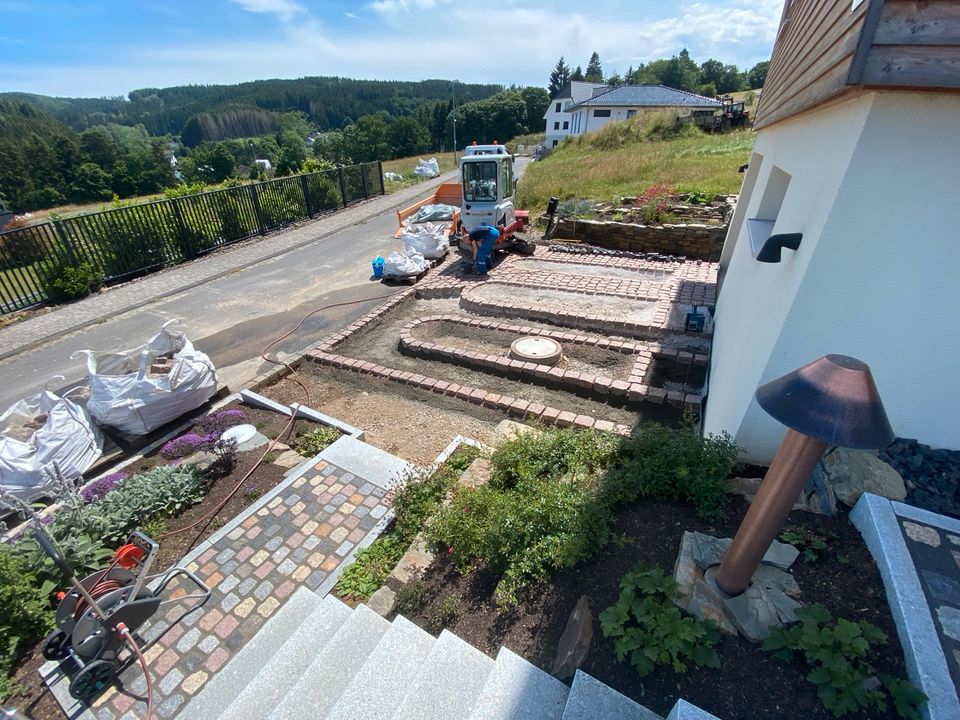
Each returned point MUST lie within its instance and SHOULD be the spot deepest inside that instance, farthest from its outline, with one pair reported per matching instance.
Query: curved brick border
(633, 390)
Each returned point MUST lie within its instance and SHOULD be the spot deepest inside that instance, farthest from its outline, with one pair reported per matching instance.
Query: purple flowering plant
(205, 437)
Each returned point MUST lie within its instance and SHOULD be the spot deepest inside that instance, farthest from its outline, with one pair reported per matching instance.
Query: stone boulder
(575, 641)
(848, 474)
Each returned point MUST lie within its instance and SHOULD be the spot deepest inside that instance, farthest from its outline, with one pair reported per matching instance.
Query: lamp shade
(833, 399)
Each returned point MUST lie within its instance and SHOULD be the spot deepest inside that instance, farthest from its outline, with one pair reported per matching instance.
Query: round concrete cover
(541, 350)
(240, 433)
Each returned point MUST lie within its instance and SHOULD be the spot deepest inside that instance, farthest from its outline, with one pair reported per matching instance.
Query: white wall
(873, 189)
(589, 123)
(552, 117)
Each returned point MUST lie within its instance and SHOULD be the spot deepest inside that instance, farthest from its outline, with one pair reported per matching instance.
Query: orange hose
(125, 633)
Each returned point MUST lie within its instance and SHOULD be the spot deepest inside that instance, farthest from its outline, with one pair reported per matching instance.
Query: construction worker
(482, 241)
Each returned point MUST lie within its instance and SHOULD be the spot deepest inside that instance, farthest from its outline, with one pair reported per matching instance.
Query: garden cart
(100, 614)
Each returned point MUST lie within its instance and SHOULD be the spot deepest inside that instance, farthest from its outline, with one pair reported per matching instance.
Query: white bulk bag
(139, 390)
(431, 213)
(427, 168)
(404, 264)
(42, 430)
(428, 239)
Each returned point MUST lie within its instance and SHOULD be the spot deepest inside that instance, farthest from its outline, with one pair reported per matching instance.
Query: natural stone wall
(699, 242)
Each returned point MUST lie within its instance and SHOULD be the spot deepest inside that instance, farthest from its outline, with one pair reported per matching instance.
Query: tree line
(710, 78)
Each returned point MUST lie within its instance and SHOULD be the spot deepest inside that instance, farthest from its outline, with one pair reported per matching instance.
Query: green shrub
(839, 654)
(564, 453)
(24, 613)
(314, 442)
(521, 532)
(410, 597)
(419, 495)
(233, 224)
(65, 281)
(324, 192)
(649, 630)
(445, 613)
(666, 464)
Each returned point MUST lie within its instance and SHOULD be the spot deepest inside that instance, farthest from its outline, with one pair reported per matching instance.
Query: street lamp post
(830, 401)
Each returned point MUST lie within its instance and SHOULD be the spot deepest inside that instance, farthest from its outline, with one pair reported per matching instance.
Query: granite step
(244, 667)
(259, 698)
(590, 699)
(366, 461)
(519, 689)
(383, 681)
(449, 682)
(323, 681)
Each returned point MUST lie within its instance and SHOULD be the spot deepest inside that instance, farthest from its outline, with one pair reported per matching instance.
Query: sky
(97, 48)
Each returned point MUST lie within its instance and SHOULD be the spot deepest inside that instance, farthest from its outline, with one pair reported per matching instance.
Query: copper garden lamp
(830, 401)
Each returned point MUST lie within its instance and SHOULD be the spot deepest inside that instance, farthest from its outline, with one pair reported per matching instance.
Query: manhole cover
(541, 350)
(240, 433)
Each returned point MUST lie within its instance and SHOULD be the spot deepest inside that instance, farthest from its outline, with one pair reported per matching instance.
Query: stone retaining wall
(699, 242)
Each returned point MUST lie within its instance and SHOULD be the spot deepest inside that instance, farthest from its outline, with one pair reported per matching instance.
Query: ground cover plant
(414, 500)
(839, 652)
(649, 630)
(313, 443)
(626, 158)
(551, 497)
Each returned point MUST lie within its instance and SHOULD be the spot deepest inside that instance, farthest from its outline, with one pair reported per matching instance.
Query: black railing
(50, 261)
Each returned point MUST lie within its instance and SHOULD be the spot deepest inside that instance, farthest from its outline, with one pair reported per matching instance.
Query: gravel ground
(932, 476)
(559, 301)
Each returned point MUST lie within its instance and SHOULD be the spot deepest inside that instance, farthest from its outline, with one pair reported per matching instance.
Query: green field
(624, 159)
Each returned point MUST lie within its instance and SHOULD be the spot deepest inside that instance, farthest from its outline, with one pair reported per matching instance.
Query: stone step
(259, 698)
(255, 655)
(519, 689)
(367, 461)
(385, 677)
(332, 670)
(590, 699)
(449, 682)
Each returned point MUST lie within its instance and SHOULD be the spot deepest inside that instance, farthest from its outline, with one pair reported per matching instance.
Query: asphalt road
(234, 317)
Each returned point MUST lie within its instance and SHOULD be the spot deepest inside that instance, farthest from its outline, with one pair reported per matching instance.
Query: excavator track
(523, 244)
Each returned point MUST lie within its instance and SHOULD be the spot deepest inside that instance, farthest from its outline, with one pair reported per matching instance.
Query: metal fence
(54, 260)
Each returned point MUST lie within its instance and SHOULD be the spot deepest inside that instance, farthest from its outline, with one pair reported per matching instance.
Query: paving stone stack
(318, 658)
(932, 476)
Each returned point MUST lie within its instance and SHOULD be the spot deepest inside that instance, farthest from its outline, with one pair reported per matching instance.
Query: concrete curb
(876, 519)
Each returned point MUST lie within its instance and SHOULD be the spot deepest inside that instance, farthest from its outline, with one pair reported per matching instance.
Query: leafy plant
(24, 613)
(654, 203)
(370, 568)
(207, 437)
(666, 464)
(445, 613)
(65, 281)
(410, 597)
(649, 630)
(314, 442)
(838, 652)
(811, 543)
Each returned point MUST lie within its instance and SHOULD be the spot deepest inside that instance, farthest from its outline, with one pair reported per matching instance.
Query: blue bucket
(378, 267)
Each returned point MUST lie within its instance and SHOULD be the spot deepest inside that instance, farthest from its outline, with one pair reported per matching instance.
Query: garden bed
(751, 683)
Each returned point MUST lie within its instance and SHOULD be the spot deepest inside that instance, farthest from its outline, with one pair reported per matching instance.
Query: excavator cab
(486, 175)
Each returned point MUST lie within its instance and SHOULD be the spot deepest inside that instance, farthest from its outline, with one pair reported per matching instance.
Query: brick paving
(936, 556)
(298, 537)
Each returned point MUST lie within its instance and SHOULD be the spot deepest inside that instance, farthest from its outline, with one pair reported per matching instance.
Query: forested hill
(328, 101)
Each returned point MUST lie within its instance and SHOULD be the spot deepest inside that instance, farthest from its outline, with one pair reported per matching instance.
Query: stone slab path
(299, 535)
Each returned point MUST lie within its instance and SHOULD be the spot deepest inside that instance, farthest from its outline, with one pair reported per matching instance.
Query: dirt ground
(751, 685)
(402, 421)
(584, 358)
(650, 276)
(378, 343)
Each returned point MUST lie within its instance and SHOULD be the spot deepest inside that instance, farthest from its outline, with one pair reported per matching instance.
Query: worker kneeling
(482, 241)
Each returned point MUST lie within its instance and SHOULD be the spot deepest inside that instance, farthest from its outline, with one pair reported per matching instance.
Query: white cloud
(527, 38)
(284, 9)
(352, 16)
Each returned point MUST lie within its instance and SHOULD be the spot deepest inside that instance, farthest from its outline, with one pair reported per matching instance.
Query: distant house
(627, 101)
(558, 117)
(264, 163)
(856, 164)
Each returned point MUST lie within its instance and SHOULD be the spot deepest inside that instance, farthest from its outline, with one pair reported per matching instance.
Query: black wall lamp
(766, 246)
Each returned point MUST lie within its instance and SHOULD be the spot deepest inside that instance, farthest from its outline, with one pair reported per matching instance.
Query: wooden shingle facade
(828, 48)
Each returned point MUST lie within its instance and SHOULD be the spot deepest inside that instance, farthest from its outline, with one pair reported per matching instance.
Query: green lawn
(18, 283)
(615, 161)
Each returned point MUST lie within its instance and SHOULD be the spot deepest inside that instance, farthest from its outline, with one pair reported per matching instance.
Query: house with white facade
(557, 117)
(845, 238)
(627, 101)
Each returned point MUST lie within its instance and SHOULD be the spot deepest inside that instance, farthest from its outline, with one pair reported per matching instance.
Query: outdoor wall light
(830, 401)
